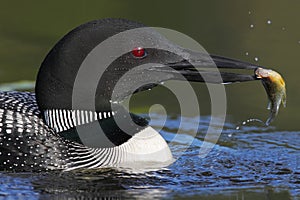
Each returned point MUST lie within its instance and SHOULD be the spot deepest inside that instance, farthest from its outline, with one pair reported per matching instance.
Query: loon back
(26, 142)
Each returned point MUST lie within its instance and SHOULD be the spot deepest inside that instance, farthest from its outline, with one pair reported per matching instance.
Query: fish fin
(269, 105)
(277, 108)
(283, 100)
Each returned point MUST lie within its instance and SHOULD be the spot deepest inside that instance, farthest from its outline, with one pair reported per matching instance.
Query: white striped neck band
(62, 120)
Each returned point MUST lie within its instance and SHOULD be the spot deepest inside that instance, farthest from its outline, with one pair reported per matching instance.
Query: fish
(275, 88)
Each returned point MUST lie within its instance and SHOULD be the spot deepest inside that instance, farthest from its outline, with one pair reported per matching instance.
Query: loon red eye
(139, 52)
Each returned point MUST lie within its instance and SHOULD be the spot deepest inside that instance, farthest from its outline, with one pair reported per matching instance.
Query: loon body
(29, 144)
(48, 131)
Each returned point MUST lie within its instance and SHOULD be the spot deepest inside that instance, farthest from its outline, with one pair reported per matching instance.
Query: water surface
(250, 163)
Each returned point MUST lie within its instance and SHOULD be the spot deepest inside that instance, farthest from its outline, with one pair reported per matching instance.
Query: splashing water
(249, 121)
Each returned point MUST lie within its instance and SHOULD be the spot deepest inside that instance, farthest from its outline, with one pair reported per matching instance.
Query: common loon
(39, 131)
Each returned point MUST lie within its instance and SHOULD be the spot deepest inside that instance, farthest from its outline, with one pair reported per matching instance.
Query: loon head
(57, 74)
(141, 58)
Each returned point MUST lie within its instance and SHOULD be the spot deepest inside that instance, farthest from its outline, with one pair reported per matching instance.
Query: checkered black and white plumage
(28, 143)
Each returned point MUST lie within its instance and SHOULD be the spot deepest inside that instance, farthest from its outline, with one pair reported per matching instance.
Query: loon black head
(161, 62)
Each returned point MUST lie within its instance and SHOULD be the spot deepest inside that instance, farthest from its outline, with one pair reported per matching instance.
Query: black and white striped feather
(62, 120)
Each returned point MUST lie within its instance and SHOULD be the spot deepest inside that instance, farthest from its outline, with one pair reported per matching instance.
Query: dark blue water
(254, 162)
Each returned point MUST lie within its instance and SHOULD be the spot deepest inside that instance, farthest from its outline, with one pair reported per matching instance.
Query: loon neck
(62, 119)
(95, 129)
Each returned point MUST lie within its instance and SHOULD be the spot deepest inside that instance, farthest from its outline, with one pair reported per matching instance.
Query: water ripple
(251, 161)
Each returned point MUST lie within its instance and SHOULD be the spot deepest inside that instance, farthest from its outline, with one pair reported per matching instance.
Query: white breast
(146, 149)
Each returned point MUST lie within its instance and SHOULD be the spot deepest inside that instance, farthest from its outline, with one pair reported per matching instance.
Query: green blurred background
(232, 28)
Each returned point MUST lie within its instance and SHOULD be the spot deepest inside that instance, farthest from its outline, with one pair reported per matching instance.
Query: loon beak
(201, 67)
(190, 66)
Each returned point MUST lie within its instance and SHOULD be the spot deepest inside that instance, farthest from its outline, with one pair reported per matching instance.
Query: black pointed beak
(200, 67)
(188, 66)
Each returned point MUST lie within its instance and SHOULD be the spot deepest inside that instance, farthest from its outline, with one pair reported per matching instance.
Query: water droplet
(248, 121)
(247, 53)
(251, 25)
(283, 28)
(269, 22)
(249, 12)
(299, 42)
(256, 59)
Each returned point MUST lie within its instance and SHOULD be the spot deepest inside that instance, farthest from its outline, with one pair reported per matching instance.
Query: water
(251, 120)
(254, 162)
(250, 162)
